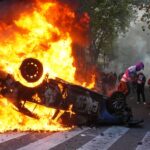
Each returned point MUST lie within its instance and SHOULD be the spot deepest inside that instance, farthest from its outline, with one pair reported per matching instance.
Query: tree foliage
(145, 7)
(108, 18)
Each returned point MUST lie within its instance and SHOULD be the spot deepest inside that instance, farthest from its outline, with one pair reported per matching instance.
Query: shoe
(144, 103)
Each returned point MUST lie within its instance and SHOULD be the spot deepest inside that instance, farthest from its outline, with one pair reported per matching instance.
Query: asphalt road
(135, 136)
(85, 138)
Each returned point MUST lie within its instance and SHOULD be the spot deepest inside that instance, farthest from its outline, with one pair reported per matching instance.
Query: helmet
(139, 66)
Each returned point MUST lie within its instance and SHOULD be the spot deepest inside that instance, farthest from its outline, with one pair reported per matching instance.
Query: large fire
(37, 32)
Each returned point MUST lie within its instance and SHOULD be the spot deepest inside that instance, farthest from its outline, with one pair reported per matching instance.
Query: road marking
(8, 136)
(145, 144)
(53, 140)
(105, 140)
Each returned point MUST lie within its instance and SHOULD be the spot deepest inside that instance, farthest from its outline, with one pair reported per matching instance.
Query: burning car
(74, 104)
(47, 40)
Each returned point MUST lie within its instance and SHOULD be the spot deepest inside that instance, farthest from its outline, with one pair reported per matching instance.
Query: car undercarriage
(80, 106)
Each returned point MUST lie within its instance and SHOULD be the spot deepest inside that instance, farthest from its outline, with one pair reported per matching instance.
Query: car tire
(117, 102)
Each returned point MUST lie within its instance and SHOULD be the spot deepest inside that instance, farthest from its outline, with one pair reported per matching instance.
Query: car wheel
(117, 102)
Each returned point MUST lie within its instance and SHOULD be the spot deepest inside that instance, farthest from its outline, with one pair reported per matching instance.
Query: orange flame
(10, 119)
(38, 34)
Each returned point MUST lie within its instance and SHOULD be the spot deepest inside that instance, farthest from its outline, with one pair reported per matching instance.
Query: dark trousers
(140, 92)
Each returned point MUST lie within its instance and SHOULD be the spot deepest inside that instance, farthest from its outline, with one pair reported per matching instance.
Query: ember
(42, 30)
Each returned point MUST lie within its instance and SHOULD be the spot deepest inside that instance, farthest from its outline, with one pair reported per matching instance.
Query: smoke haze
(132, 47)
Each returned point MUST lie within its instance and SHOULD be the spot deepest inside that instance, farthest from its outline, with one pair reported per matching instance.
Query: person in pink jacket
(128, 76)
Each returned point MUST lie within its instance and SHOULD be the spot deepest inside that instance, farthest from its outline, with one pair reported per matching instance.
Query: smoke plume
(132, 47)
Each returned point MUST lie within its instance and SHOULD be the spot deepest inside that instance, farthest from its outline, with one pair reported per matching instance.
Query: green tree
(108, 19)
(145, 7)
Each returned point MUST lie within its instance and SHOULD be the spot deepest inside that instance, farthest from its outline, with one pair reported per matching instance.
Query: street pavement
(86, 138)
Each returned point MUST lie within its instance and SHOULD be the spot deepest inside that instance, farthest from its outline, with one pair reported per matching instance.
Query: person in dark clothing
(141, 79)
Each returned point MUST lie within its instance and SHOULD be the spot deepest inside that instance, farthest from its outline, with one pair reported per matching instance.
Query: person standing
(128, 77)
(141, 79)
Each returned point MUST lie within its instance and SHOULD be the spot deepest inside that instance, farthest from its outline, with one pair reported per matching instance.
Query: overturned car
(88, 107)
